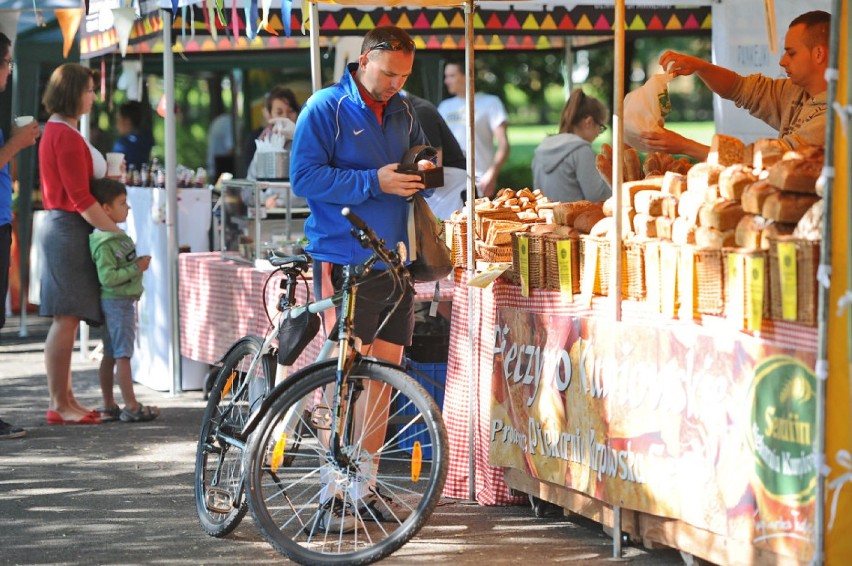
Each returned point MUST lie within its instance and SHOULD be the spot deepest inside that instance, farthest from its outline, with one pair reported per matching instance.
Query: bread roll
(813, 152)
(796, 175)
(787, 207)
(632, 166)
(773, 230)
(724, 215)
(674, 183)
(649, 202)
(748, 231)
(710, 238)
(609, 206)
(653, 164)
(767, 152)
(606, 150)
(754, 196)
(645, 226)
(681, 166)
(810, 226)
(603, 227)
(683, 232)
(725, 150)
(734, 179)
(702, 175)
(585, 221)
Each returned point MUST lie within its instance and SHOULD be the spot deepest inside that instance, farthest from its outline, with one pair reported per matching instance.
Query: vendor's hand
(143, 261)
(667, 141)
(679, 64)
(401, 184)
(25, 136)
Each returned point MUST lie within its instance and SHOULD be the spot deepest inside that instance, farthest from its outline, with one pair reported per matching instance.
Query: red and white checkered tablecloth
(221, 301)
(463, 384)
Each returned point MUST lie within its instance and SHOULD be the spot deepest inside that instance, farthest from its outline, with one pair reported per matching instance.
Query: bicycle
(330, 476)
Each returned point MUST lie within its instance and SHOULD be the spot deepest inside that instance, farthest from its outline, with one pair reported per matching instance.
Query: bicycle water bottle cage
(294, 334)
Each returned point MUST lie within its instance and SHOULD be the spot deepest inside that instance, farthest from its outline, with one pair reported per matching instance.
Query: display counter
(701, 432)
(223, 300)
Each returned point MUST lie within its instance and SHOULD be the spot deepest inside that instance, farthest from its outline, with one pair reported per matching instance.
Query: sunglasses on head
(393, 45)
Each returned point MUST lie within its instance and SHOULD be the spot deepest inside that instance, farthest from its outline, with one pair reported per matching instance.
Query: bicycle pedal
(321, 417)
(218, 500)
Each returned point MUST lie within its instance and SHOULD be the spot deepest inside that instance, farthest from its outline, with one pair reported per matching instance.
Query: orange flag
(69, 21)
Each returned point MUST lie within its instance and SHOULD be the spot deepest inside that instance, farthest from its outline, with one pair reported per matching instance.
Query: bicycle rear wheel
(236, 392)
(365, 504)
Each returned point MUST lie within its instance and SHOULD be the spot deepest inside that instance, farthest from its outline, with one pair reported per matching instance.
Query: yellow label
(566, 277)
(788, 276)
(590, 273)
(755, 267)
(736, 290)
(686, 283)
(524, 264)
(668, 280)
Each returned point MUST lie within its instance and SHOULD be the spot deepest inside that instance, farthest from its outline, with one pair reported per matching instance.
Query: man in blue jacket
(349, 140)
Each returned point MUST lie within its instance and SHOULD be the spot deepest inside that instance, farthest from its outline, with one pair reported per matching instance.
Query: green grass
(524, 139)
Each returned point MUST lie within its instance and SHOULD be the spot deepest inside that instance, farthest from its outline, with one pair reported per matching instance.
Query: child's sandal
(140, 415)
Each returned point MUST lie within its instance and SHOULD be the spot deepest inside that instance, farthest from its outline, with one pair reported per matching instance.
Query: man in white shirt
(491, 123)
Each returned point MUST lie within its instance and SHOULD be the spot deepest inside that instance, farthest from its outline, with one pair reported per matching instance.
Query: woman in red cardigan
(70, 291)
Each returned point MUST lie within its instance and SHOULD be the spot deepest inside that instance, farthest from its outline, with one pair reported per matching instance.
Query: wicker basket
(633, 284)
(551, 262)
(491, 214)
(599, 247)
(709, 281)
(494, 254)
(535, 254)
(458, 247)
(807, 263)
(739, 294)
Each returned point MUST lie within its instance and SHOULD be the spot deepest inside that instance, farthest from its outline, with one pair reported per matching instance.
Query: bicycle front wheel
(362, 502)
(238, 389)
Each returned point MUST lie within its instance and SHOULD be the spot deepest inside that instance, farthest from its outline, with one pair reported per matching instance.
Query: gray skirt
(69, 279)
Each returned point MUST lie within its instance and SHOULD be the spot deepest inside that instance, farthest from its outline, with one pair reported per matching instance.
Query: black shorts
(376, 300)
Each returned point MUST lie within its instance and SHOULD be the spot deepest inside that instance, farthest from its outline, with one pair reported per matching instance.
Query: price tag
(736, 290)
(524, 263)
(566, 277)
(788, 276)
(756, 276)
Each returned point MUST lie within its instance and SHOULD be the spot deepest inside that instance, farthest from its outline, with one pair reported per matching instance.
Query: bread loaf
(565, 213)
(681, 166)
(734, 179)
(627, 215)
(645, 226)
(606, 150)
(688, 205)
(722, 215)
(701, 176)
(664, 227)
(810, 226)
(630, 188)
(603, 227)
(674, 183)
(773, 230)
(608, 206)
(812, 152)
(710, 238)
(604, 166)
(712, 194)
(754, 196)
(632, 166)
(748, 231)
(725, 150)
(767, 152)
(796, 175)
(585, 221)
(683, 232)
(649, 202)
(787, 207)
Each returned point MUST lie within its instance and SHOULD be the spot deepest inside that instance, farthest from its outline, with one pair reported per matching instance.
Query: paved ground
(121, 493)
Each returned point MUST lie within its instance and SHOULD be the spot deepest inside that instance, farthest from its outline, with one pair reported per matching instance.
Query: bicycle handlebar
(369, 239)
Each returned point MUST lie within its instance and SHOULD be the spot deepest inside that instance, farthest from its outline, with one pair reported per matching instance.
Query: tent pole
(316, 71)
(618, 160)
(170, 163)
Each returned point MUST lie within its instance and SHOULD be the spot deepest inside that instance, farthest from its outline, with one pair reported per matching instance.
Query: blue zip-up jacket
(337, 150)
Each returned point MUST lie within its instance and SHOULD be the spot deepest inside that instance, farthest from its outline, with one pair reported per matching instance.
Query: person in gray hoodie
(564, 164)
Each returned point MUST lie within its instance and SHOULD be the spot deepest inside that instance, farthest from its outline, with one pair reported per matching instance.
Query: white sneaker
(382, 508)
(334, 516)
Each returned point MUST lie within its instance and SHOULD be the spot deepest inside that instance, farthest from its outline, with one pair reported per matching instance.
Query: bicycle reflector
(416, 461)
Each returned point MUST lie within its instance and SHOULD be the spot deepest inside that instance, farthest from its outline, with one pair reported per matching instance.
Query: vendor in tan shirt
(794, 106)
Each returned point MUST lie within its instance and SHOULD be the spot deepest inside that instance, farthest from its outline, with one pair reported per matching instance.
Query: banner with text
(714, 430)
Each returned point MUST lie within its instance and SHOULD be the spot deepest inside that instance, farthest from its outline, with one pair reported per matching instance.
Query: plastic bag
(646, 108)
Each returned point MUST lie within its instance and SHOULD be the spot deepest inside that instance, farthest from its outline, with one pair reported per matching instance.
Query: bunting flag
(264, 20)
(123, 19)
(69, 22)
(286, 14)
